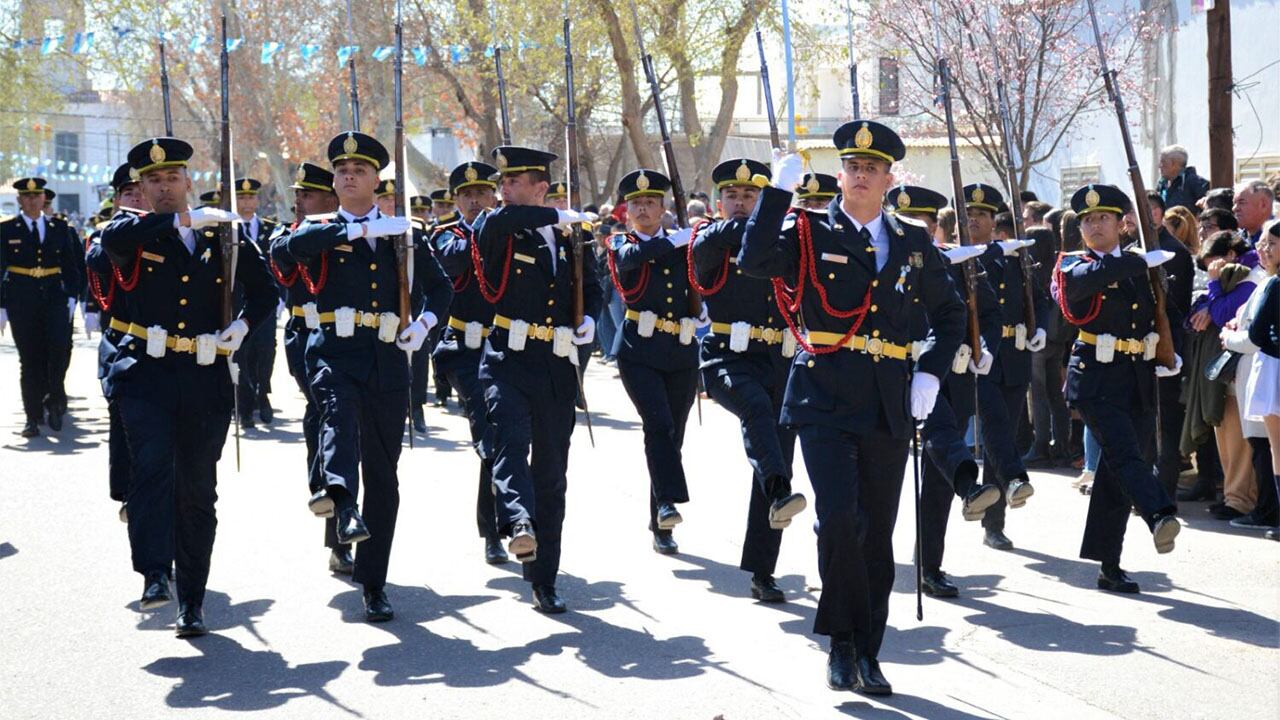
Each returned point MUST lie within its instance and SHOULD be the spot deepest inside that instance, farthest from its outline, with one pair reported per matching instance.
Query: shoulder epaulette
(910, 221)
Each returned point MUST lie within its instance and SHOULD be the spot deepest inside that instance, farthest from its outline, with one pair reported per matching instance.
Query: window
(1259, 167)
(1071, 178)
(888, 86)
(66, 148)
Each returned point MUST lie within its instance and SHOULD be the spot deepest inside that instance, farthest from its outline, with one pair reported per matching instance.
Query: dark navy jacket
(20, 248)
(1013, 366)
(848, 389)
(659, 273)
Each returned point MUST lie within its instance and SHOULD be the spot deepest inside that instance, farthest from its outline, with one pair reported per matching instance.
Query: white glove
(92, 322)
(924, 393)
(1164, 372)
(788, 169)
(231, 338)
(703, 320)
(586, 332)
(1156, 258)
(206, 216)
(378, 227)
(1037, 341)
(1011, 247)
(680, 238)
(959, 254)
(982, 367)
(4, 320)
(567, 217)
(413, 337)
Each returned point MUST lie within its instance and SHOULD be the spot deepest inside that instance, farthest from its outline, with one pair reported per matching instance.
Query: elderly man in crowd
(1253, 207)
(1179, 184)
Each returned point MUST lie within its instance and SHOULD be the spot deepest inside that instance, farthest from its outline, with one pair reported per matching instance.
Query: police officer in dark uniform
(854, 273)
(950, 469)
(169, 377)
(313, 197)
(1011, 374)
(257, 357)
(658, 357)
(443, 208)
(442, 211)
(109, 299)
(1111, 379)
(744, 362)
(420, 208)
(457, 355)
(524, 266)
(41, 279)
(816, 191)
(355, 357)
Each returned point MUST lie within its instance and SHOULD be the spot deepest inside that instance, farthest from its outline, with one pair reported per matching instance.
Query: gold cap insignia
(904, 200)
(31, 184)
(642, 182)
(977, 195)
(501, 160)
(391, 186)
(448, 195)
(470, 173)
(301, 174)
(133, 175)
(813, 186)
(1092, 198)
(349, 146)
(157, 153)
(245, 185)
(863, 138)
(744, 172)
(216, 199)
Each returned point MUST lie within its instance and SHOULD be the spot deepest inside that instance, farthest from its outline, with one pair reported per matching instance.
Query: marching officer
(313, 197)
(41, 280)
(257, 357)
(1111, 379)
(950, 469)
(658, 355)
(816, 191)
(355, 356)
(442, 206)
(744, 362)
(457, 355)
(169, 375)
(420, 208)
(524, 267)
(854, 273)
(385, 197)
(1011, 374)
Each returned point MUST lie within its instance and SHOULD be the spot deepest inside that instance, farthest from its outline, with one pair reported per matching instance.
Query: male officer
(1105, 291)
(658, 356)
(950, 469)
(170, 376)
(744, 362)
(313, 197)
(1011, 374)
(442, 206)
(457, 356)
(41, 279)
(420, 208)
(524, 266)
(355, 357)
(854, 273)
(257, 357)
(816, 190)
(385, 197)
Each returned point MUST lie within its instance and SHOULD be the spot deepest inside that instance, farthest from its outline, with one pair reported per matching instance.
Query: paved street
(646, 636)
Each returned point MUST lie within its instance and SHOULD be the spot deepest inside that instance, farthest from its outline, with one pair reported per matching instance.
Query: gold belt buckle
(368, 319)
(769, 335)
(542, 332)
(875, 346)
(183, 345)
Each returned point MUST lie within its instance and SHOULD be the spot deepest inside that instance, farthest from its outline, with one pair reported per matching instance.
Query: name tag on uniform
(523, 258)
(343, 248)
(832, 257)
(15, 241)
(152, 257)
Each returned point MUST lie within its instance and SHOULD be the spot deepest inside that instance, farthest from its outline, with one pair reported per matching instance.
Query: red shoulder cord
(95, 284)
(693, 274)
(464, 279)
(132, 282)
(789, 299)
(275, 269)
(315, 286)
(1095, 303)
(628, 295)
(490, 294)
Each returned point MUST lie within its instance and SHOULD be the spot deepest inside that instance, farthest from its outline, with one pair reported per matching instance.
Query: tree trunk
(632, 117)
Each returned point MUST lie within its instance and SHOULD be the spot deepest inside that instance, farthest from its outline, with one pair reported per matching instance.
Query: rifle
(228, 233)
(404, 246)
(164, 89)
(1165, 354)
(573, 187)
(505, 113)
(351, 65)
(853, 66)
(774, 140)
(791, 86)
(669, 153)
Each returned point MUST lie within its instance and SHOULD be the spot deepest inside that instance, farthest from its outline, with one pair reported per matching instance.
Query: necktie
(361, 219)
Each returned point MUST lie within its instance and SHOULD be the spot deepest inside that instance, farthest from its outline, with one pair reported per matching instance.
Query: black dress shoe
(266, 412)
(493, 552)
(30, 429)
(1272, 534)
(664, 543)
(419, 419)
(524, 544)
(190, 622)
(377, 609)
(1113, 579)
(1163, 531)
(320, 504)
(982, 497)
(155, 591)
(840, 670)
(1226, 512)
(996, 539)
(545, 600)
(1019, 491)
(246, 422)
(870, 680)
(1038, 459)
(350, 527)
(55, 420)
(765, 589)
(124, 513)
(1198, 492)
(668, 516)
(441, 402)
(936, 584)
(783, 509)
(340, 562)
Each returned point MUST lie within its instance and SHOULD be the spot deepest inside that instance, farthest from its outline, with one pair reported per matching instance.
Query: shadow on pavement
(7, 550)
(916, 706)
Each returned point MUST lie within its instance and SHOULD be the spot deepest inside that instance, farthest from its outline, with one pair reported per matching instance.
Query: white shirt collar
(872, 227)
(348, 216)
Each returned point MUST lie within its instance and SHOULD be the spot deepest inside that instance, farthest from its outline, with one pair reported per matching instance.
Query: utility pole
(1221, 143)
